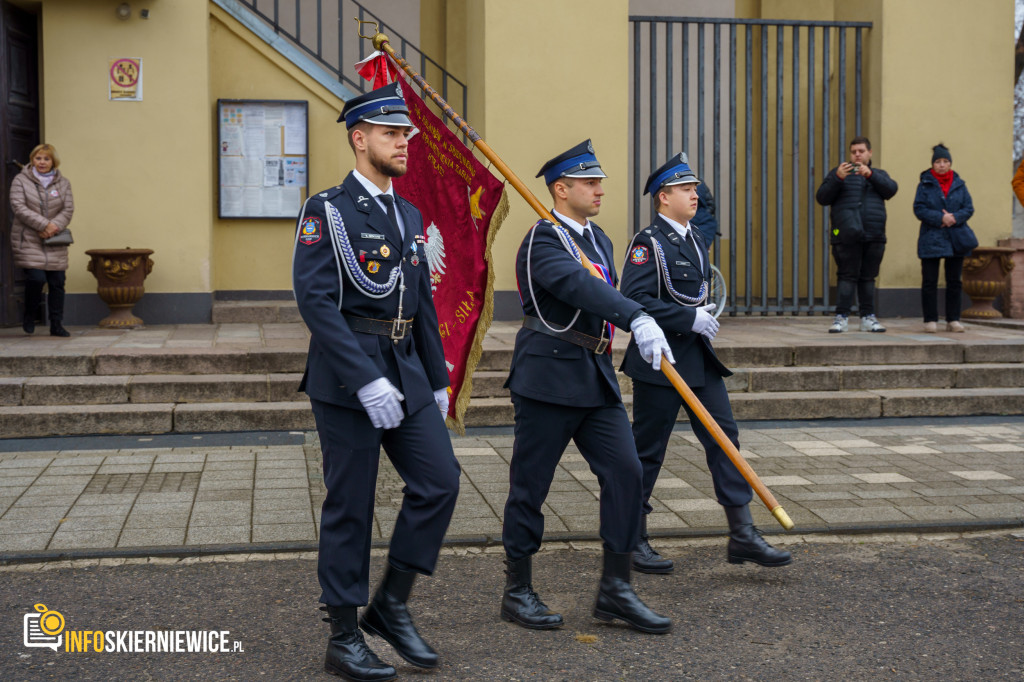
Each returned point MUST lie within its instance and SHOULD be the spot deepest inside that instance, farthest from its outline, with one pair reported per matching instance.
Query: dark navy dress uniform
(342, 360)
(656, 403)
(563, 388)
(562, 392)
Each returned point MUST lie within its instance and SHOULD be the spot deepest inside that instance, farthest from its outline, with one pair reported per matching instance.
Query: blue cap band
(580, 163)
(682, 170)
(385, 105)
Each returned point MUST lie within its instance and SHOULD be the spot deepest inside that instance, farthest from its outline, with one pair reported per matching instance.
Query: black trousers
(603, 436)
(421, 451)
(34, 281)
(930, 288)
(856, 270)
(655, 409)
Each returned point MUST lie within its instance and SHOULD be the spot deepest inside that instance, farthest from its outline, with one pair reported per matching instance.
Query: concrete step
(150, 388)
(134, 361)
(919, 402)
(490, 384)
(255, 311)
(37, 421)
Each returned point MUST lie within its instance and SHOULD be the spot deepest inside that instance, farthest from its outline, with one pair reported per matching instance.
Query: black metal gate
(762, 110)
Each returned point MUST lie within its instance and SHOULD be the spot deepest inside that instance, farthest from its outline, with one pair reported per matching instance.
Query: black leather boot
(520, 604)
(746, 543)
(645, 558)
(56, 329)
(347, 652)
(388, 618)
(55, 305)
(616, 598)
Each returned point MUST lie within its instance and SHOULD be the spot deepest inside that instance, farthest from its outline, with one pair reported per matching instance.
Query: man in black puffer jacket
(857, 194)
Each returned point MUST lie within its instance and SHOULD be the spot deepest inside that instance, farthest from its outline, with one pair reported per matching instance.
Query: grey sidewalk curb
(182, 551)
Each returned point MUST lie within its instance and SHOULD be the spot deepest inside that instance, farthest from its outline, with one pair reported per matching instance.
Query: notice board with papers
(262, 157)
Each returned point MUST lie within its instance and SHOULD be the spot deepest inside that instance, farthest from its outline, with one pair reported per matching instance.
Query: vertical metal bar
(277, 17)
(685, 95)
(700, 98)
(341, 43)
(669, 119)
(653, 142)
(812, 255)
(780, 242)
(748, 170)
(857, 105)
(795, 201)
(717, 156)
(843, 142)
(763, 184)
(298, 21)
(826, 146)
(319, 30)
(637, 126)
(732, 167)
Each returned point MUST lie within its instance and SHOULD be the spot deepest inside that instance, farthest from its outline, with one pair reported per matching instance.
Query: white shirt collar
(569, 222)
(373, 189)
(683, 230)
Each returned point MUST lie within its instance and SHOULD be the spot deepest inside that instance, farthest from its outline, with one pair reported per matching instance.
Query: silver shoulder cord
(346, 256)
(574, 252)
(662, 264)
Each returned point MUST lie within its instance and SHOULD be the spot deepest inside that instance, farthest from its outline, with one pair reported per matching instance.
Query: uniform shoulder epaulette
(330, 193)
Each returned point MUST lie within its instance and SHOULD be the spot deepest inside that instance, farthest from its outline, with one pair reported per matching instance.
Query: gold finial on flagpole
(377, 38)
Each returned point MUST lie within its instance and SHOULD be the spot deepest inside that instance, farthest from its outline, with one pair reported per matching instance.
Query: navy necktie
(389, 201)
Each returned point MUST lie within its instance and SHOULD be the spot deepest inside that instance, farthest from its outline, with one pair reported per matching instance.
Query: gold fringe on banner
(458, 412)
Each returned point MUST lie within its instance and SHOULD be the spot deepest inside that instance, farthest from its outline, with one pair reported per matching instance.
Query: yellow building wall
(257, 254)
(947, 76)
(140, 171)
(543, 75)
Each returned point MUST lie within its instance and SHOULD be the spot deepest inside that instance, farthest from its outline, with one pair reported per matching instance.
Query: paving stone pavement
(829, 476)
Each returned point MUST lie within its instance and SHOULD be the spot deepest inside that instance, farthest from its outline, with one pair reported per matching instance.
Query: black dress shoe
(29, 326)
(746, 543)
(520, 604)
(616, 598)
(348, 655)
(58, 330)
(387, 617)
(645, 558)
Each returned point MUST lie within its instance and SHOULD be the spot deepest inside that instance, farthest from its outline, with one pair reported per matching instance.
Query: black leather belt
(395, 329)
(591, 343)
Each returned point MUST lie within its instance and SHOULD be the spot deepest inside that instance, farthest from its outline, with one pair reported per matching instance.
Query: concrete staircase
(784, 369)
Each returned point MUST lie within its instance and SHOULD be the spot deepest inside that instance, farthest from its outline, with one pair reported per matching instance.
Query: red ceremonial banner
(463, 206)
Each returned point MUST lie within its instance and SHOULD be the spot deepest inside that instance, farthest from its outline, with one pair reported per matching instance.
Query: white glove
(651, 341)
(383, 403)
(441, 398)
(705, 323)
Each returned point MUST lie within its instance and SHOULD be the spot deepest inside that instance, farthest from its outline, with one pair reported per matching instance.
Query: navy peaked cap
(578, 162)
(676, 171)
(383, 106)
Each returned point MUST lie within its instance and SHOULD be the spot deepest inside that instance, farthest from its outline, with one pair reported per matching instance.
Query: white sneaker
(869, 323)
(839, 324)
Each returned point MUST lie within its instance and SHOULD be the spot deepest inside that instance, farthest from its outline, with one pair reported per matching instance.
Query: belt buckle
(602, 346)
(399, 328)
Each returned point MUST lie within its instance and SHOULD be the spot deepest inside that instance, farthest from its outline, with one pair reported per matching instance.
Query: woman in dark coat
(942, 202)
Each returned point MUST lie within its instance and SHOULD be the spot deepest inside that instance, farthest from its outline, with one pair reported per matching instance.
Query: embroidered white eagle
(433, 249)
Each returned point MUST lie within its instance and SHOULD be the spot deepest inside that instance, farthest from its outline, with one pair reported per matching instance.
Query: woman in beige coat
(42, 202)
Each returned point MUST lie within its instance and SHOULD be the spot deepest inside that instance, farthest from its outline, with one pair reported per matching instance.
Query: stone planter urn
(1013, 297)
(985, 272)
(119, 274)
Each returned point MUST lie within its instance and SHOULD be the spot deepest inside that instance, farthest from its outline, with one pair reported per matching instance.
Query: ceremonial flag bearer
(667, 272)
(564, 388)
(375, 375)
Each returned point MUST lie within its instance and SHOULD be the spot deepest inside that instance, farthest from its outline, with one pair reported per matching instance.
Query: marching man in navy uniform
(564, 388)
(667, 272)
(375, 375)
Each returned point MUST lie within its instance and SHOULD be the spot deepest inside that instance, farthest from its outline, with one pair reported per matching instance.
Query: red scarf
(945, 180)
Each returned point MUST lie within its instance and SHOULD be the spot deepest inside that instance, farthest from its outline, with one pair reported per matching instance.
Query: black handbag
(963, 239)
(62, 238)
